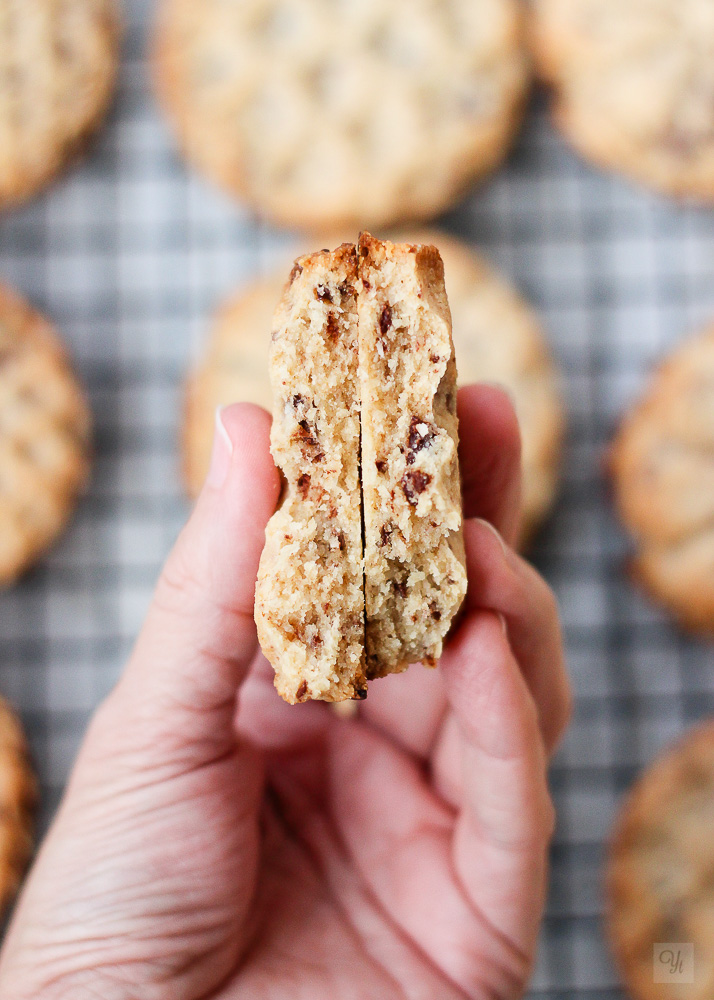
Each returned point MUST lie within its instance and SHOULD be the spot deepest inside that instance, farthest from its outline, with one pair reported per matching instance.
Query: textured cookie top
(635, 85)
(18, 793)
(44, 435)
(58, 62)
(661, 871)
(497, 336)
(663, 470)
(323, 113)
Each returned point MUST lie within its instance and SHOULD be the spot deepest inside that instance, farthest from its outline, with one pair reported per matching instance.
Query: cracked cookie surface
(58, 66)
(662, 464)
(44, 436)
(660, 870)
(634, 85)
(327, 114)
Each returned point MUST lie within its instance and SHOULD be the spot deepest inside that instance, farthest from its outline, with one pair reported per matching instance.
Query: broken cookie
(414, 560)
(309, 605)
(363, 569)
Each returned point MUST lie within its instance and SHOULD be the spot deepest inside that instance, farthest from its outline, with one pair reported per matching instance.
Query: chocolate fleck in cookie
(634, 85)
(336, 114)
(309, 602)
(58, 65)
(660, 883)
(662, 464)
(18, 793)
(497, 337)
(415, 576)
(44, 436)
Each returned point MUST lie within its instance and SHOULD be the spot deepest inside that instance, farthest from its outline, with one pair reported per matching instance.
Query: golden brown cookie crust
(18, 794)
(343, 115)
(497, 335)
(44, 445)
(58, 61)
(633, 86)
(661, 464)
(659, 879)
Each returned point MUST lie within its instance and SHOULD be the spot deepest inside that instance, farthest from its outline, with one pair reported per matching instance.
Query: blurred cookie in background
(662, 465)
(44, 436)
(343, 114)
(497, 339)
(18, 794)
(234, 368)
(634, 86)
(660, 881)
(58, 66)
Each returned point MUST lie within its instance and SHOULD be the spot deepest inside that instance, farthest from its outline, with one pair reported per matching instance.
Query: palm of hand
(329, 863)
(346, 871)
(358, 888)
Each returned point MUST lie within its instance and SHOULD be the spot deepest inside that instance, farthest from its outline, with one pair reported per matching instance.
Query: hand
(216, 843)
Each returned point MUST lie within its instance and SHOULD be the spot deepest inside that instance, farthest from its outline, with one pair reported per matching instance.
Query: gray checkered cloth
(130, 253)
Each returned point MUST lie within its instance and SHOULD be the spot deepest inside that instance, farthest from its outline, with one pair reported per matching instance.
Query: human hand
(215, 843)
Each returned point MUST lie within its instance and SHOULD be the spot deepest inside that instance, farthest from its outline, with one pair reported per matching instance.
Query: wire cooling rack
(130, 253)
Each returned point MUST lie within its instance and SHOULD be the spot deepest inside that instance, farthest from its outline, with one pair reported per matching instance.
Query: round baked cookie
(58, 65)
(662, 464)
(634, 85)
(18, 794)
(496, 335)
(356, 114)
(660, 882)
(44, 436)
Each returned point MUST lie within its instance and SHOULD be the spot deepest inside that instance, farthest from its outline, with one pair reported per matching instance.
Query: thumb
(199, 637)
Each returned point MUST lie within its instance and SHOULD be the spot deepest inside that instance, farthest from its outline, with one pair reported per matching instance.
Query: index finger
(490, 457)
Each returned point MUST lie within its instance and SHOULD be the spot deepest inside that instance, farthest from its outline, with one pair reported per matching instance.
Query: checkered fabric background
(130, 253)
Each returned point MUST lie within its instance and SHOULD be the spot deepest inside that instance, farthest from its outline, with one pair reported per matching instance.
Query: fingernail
(504, 626)
(487, 524)
(221, 454)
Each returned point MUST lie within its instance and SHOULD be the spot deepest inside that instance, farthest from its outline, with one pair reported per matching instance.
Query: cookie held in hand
(309, 604)
(363, 568)
(414, 575)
